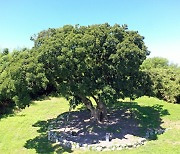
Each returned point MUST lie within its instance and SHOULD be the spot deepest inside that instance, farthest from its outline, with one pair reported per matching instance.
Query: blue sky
(157, 20)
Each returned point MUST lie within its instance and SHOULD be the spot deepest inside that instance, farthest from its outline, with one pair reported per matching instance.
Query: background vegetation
(165, 78)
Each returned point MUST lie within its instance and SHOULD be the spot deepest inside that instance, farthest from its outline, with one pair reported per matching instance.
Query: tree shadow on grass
(143, 118)
(11, 110)
(40, 143)
(124, 118)
(6, 110)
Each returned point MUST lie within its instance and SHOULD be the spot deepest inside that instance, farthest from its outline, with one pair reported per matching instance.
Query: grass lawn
(26, 131)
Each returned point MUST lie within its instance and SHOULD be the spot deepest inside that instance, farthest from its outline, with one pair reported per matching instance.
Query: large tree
(98, 61)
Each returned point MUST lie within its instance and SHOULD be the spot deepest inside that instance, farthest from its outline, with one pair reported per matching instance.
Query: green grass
(26, 131)
(18, 129)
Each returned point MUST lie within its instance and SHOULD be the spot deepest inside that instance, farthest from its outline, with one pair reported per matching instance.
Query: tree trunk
(101, 110)
(89, 105)
(99, 113)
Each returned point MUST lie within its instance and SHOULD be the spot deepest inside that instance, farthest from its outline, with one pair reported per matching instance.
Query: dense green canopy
(99, 61)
